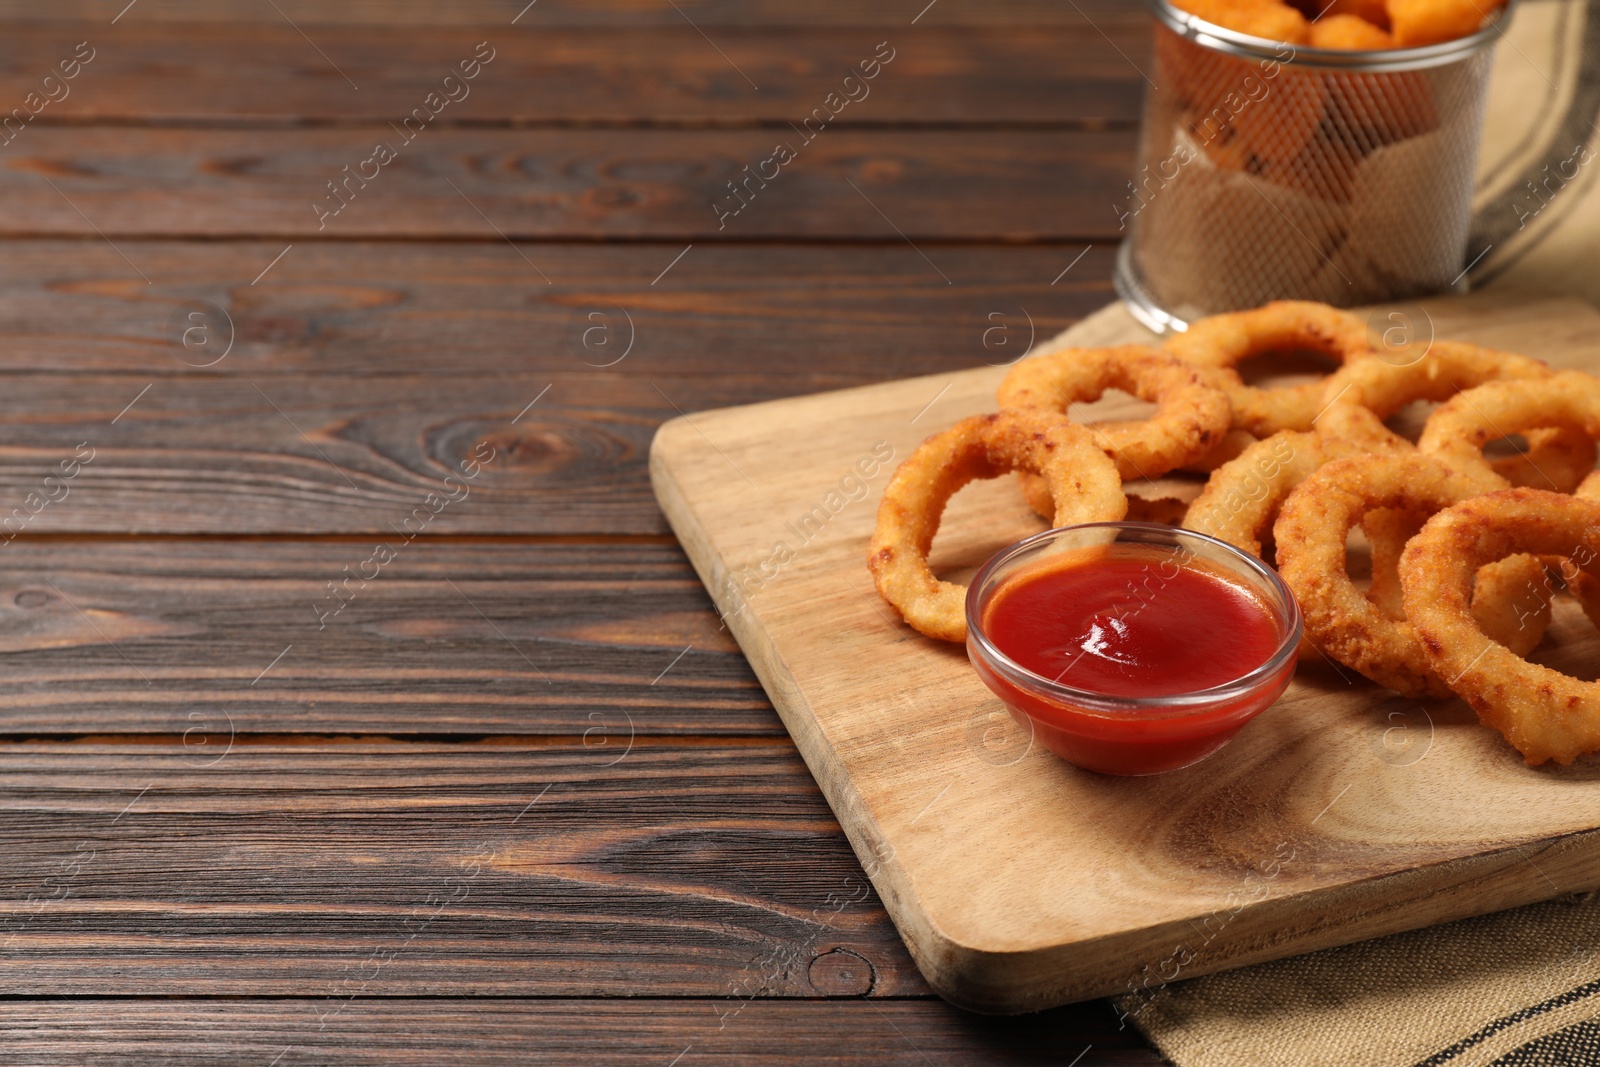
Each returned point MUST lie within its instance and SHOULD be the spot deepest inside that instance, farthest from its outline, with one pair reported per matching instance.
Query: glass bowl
(1135, 735)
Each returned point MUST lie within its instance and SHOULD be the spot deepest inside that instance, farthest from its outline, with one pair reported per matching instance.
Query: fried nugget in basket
(1424, 22)
(1272, 19)
(1349, 33)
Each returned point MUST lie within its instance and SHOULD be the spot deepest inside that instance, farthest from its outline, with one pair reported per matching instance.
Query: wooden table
(322, 747)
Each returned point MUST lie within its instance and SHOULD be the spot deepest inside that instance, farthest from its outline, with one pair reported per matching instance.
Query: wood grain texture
(802, 317)
(606, 1033)
(360, 375)
(329, 454)
(1021, 882)
(225, 451)
(147, 72)
(497, 13)
(606, 642)
(340, 870)
(229, 823)
(561, 184)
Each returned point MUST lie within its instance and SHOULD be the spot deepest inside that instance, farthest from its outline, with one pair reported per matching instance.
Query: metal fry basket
(1273, 171)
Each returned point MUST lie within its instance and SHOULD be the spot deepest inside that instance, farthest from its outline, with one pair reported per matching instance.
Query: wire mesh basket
(1273, 171)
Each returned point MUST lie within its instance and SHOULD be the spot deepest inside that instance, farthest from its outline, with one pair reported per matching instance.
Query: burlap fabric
(1518, 988)
(1515, 989)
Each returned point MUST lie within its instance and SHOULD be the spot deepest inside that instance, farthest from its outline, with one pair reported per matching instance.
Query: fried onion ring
(1242, 497)
(1512, 600)
(1360, 395)
(1230, 445)
(1191, 417)
(1311, 532)
(1228, 340)
(1543, 713)
(1557, 458)
(1192, 412)
(1459, 428)
(1585, 587)
(1082, 480)
(1241, 502)
(1506, 600)
(1164, 510)
(1388, 530)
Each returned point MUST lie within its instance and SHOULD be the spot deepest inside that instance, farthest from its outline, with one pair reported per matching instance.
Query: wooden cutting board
(1019, 882)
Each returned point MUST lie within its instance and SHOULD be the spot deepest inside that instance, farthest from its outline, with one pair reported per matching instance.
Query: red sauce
(1132, 622)
(1129, 627)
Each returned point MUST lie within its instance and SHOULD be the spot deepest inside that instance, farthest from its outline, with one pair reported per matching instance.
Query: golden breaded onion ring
(1558, 458)
(1161, 510)
(1242, 497)
(1359, 396)
(1511, 598)
(1230, 445)
(1231, 339)
(1459, 428)
(1311, 532)
(1585, 587)
(1082, 480)
(1543, 713)
(1242, 501)
(1192, 412)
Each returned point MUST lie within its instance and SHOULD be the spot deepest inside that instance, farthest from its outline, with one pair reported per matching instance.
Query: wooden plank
(627, 74)
(604, 642)
(341, 870)
(362, 374)
(606, 1033)
(562, 453)
(498, 13)
(332, 454)
(1303, 833)
(560, 184)
(323, 450)
(221, 862)
(803, 317)
(340, 453)
(374, 456)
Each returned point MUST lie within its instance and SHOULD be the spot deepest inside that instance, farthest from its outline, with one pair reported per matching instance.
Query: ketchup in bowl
(1131, 648)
